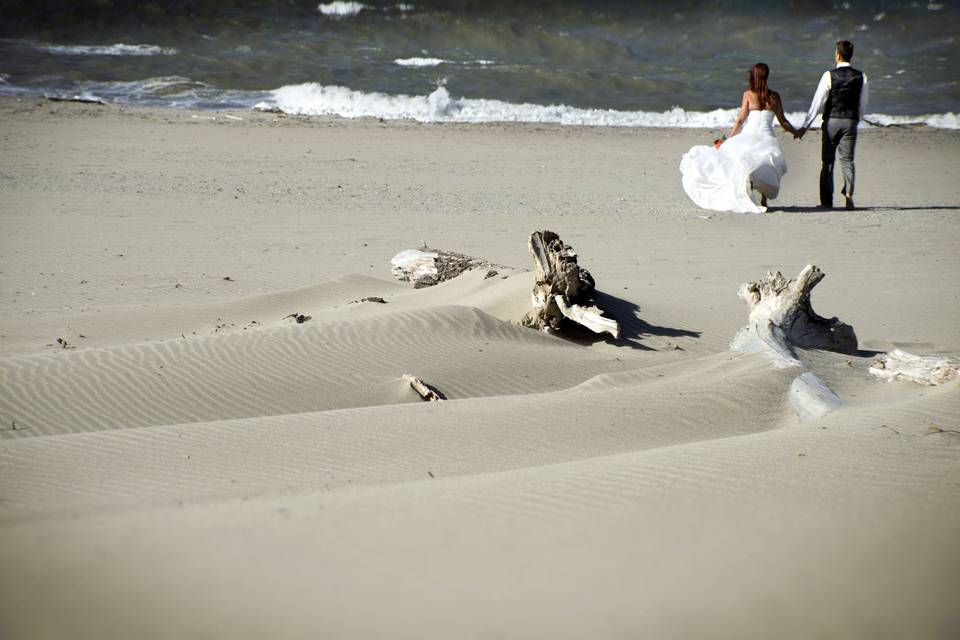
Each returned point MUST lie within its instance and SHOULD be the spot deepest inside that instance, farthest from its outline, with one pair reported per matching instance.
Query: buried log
(811, 398)
(426, 392)
(562, 288)
(782, 318)
(928, 370)
(77, 98)
(426, 267)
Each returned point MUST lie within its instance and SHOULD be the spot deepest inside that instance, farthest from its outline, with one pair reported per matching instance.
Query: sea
(643, 63)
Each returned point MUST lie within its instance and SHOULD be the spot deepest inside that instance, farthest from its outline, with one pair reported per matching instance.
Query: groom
(842, 98)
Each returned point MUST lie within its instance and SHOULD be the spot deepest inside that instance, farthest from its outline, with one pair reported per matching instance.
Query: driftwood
(426, 392)
(562, 288)
(426, 267)
(811, 398)
(77, 98)
(781, 318)
(928, 370)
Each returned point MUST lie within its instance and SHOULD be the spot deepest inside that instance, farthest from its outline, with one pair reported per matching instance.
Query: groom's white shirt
(823, 90)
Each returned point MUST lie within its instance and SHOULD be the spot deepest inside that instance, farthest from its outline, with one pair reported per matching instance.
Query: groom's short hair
(845, 49)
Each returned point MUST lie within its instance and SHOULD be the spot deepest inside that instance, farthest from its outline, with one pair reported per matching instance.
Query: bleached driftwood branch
(928, 370)
(782, 318)
(426, 267)
(562, 288)
(426, 392)
(811, 398)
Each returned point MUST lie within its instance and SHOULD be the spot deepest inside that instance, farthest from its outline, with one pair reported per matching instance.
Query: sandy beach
(180, 458)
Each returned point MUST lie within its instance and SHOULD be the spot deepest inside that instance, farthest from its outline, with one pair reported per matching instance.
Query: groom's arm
(819, 99)
(864, 97)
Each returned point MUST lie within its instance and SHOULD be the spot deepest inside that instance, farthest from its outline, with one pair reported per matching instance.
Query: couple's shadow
(632, 327)
(816, 209)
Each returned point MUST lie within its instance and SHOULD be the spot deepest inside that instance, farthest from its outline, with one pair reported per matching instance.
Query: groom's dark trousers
(839, 135)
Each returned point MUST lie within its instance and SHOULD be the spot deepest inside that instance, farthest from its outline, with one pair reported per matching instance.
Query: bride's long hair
(758, 82)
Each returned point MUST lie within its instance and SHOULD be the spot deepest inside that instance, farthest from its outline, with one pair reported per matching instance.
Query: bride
(743, 172)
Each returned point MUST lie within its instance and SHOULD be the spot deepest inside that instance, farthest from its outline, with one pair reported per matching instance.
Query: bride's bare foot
(763, 201)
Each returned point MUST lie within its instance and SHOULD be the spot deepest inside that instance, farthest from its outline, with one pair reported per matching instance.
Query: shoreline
(871, 122)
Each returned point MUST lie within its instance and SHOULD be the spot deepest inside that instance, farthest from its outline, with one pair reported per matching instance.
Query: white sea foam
(118, 49)
(948, 120)
(439, 106)
(341, 9)
(403, 6)
(433, 62)
(420, 62)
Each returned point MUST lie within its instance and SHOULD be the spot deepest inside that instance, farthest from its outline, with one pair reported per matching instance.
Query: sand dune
(384, 444)
(312, 366)
(195, 463)
(831, 519)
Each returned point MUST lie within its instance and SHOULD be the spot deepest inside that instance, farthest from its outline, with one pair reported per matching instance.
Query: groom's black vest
(843, 101)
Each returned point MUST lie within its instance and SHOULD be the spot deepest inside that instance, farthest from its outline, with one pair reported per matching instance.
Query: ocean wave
(118, 49)
(350, 9)
(163, 91)
(440, 106)
(437, 106)
(433, 62)
(341, 9)
(165, 86)
(948, 120)
(420, 62)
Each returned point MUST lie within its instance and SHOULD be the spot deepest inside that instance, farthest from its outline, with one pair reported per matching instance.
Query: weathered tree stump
(562, 288)
(426, 267)
(928, 370)
(781, 318)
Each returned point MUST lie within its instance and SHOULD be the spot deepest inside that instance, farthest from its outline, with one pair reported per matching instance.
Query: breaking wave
(118, 49)
(349, 9)
(433, 62)
(341, 9)
(419, 62)
(440, 106)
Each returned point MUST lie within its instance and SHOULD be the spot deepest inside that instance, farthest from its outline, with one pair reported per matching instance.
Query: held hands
(798, 133)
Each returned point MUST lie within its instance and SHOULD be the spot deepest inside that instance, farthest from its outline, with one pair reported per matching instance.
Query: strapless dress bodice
(759, 122)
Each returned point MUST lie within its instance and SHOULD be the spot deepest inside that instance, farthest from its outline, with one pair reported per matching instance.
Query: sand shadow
(936, 207)
(816, 209)
(632, 326)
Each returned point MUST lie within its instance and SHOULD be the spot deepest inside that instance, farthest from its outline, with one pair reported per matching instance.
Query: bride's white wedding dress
(735, 176)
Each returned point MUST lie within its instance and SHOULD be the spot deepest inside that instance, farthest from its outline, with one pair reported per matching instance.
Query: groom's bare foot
(850, 206)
